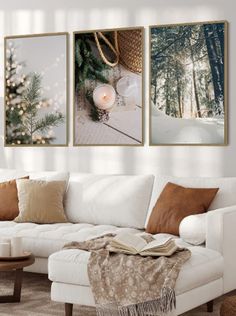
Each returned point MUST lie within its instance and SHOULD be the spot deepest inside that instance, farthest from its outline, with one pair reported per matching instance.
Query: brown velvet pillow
(176, 202)
(9, 200)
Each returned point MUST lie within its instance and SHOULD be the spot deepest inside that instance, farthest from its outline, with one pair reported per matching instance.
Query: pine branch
(50, 120)
(99, 76)
(89, 97)
(32, 94)
(78, 57)
(98, 63)
(87, 66)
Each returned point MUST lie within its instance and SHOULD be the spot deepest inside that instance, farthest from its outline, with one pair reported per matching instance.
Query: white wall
(27, 16)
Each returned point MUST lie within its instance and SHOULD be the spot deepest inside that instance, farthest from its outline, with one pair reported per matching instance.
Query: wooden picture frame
(36, 90)
(176, 116)
(122, 124)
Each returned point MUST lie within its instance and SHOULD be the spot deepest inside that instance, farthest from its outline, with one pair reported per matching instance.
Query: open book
(133, 244)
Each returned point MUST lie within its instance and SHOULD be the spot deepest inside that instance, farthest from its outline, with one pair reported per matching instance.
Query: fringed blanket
(127, 285)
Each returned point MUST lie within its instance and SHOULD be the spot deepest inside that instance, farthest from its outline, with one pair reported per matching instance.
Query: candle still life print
(108, 67)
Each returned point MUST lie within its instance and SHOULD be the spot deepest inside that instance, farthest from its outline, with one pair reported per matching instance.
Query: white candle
(16, 246)
(104, 96)
(5, 249)
(5, 240)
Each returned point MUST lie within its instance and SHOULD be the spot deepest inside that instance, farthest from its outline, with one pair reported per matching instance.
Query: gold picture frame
(57, 116)
(224, 141)
(140, 142)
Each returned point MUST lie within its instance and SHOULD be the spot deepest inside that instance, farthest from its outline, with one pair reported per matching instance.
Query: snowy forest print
(188, 84)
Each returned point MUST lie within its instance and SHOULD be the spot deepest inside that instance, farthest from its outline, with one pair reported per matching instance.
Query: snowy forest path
(187, 131)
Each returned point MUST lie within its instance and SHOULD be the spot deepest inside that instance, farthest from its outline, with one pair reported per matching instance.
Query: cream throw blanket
(127, 285)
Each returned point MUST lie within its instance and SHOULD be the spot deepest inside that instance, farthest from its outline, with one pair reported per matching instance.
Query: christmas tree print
(25, 122)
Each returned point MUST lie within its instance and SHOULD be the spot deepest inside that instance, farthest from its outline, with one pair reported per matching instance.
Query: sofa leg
(210, 306)
(68, 309)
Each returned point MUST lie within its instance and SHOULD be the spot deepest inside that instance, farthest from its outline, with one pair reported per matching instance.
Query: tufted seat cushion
(205, 265)
(43, 240)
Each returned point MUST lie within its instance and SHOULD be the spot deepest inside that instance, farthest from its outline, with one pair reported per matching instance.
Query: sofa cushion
(8, 200)
(192, 229)
(205, 265)
(175, 203)
(41, 201)
(9, 174)
(74, 260)
(49, 175)
(225, 197)
(43, 240)
(109, 199)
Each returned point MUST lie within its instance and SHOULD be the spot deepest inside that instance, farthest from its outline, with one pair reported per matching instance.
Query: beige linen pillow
(41, 201)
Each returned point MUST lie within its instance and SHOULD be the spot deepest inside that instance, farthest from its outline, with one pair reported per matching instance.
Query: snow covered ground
(170, 130)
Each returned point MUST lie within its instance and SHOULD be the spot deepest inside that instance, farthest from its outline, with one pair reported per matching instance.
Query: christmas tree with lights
(25, 124)
(15, 85)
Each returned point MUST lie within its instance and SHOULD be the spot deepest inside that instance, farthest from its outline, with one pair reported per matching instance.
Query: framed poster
(108, 81)
(36, 90)
(188, 84)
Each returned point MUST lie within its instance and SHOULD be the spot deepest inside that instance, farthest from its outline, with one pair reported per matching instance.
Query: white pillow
(192, 229)
(49, 175)
(119, 200)
(10, 174)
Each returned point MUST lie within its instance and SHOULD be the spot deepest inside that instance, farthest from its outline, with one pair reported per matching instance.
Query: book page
(158, 243)
(128, 241)
(166, 252)
(121, 250)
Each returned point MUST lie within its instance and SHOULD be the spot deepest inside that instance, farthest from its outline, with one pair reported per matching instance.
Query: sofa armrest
(221, 236)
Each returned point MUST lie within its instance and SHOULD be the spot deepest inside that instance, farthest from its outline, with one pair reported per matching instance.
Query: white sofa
(100, 204)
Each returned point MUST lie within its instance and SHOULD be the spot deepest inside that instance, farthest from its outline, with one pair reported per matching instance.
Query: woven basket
(228, 307)
(130, 47)
(112, 46)
(127, 48)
